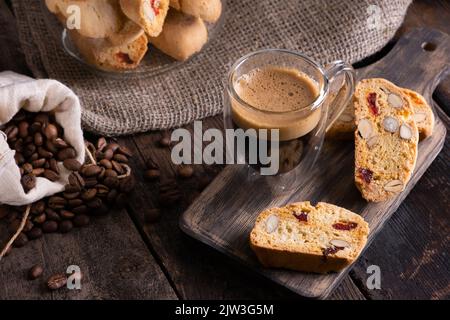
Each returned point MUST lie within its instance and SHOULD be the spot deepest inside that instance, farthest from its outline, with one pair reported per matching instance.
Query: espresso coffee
(277, 98)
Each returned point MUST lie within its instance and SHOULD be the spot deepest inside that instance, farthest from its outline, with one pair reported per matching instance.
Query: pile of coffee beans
(93, 189)
(39, 144)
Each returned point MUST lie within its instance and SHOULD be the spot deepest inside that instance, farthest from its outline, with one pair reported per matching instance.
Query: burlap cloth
(325, 30)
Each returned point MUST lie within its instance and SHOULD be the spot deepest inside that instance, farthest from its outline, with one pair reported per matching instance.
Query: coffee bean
(71, 195)
(28, 226)
(90, 170)
(27, 168)
(34, 233)
(65, 214)
(62, 144)
(37, 208)
(112, 146)
(19, 158)
(185, 171)
(90, 182)
(82, 209)
(67, 153)
(34, 157)
(18, 145)
(101, 144)
(57, 281)
(27, 150)
(38, 139)
(50, 226)
(40, 219)
(72, 164)
(117, 167)
(152, 174)
(81, 220)
(35, 272)
(44, 153)
(52, 215)
(111, 182)
(50, 146)
(39, 163)
(94, 203)
(164, 141)
(125, 151)
(76, 180)
(38, 172)
(120, 158)
(28, 182)
(73, 203)
(35, 127)
(108, 154)
(51, 131)
(20, 241)
(23, 129)
(152, 215)
(65, 226)
(71, 189)
(11, 132)
(56, 203)
(53, 165)
(51, 175)
(105, 163)
(110, 173)
(102, 190)
(89, 194)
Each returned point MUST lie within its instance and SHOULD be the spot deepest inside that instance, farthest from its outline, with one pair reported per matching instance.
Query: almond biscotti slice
(345, 126)
(386, 139)
(149, 14)
(423, 113)
(308, 238)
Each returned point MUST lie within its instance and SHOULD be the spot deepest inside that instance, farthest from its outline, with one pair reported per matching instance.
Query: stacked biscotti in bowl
(386, 122)
(114, 35)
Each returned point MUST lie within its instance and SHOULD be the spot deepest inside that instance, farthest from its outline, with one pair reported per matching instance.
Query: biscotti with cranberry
(149, 14)
(345, 126)
(103, 55)
(386, 139)
(303, 237)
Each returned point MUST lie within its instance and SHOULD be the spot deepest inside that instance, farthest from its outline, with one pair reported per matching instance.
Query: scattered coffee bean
(72, 164)
(152, 174)
(90, 170)
(28, 182)
(56, 203)
(65, 226)
(66, 214)
(185, 171)
(57, 281)
(34, 233)
(50, 226)
(165, 140)
(35, 272)
(67, 153)
(51, 175)
(51, 132)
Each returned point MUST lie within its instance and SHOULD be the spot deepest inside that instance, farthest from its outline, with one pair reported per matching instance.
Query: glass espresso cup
(294, 132)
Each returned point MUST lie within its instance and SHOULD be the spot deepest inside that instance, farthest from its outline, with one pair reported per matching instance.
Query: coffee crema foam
(276, 89)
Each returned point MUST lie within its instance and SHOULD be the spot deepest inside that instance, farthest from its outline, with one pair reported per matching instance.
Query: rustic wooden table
(122, 257)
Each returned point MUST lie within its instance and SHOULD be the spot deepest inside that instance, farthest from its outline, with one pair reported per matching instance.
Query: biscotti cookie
(149, 14)
(345, 126)
(308, 238)
(100, 53)
(386, 139)
(182, 36)
(423, 113)
(207, 10)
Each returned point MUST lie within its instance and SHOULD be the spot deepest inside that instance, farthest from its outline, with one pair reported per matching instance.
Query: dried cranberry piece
(345, 226)
(124, 57)
(366, 174)
(330, 250)
(372, 101)
(155, 5)
(302, 216)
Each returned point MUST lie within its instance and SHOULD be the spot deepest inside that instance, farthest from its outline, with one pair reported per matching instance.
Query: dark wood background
(122, 257)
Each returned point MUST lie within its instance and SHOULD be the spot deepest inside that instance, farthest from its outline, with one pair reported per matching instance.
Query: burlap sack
(18, 92)
(326, 30)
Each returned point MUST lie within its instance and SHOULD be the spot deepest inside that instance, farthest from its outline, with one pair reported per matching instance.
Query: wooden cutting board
(225, 212)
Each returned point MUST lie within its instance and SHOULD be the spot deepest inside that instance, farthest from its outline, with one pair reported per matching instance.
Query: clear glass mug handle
(333, 71)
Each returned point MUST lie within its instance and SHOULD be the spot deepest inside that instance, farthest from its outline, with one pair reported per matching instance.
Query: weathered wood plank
(114, 261)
